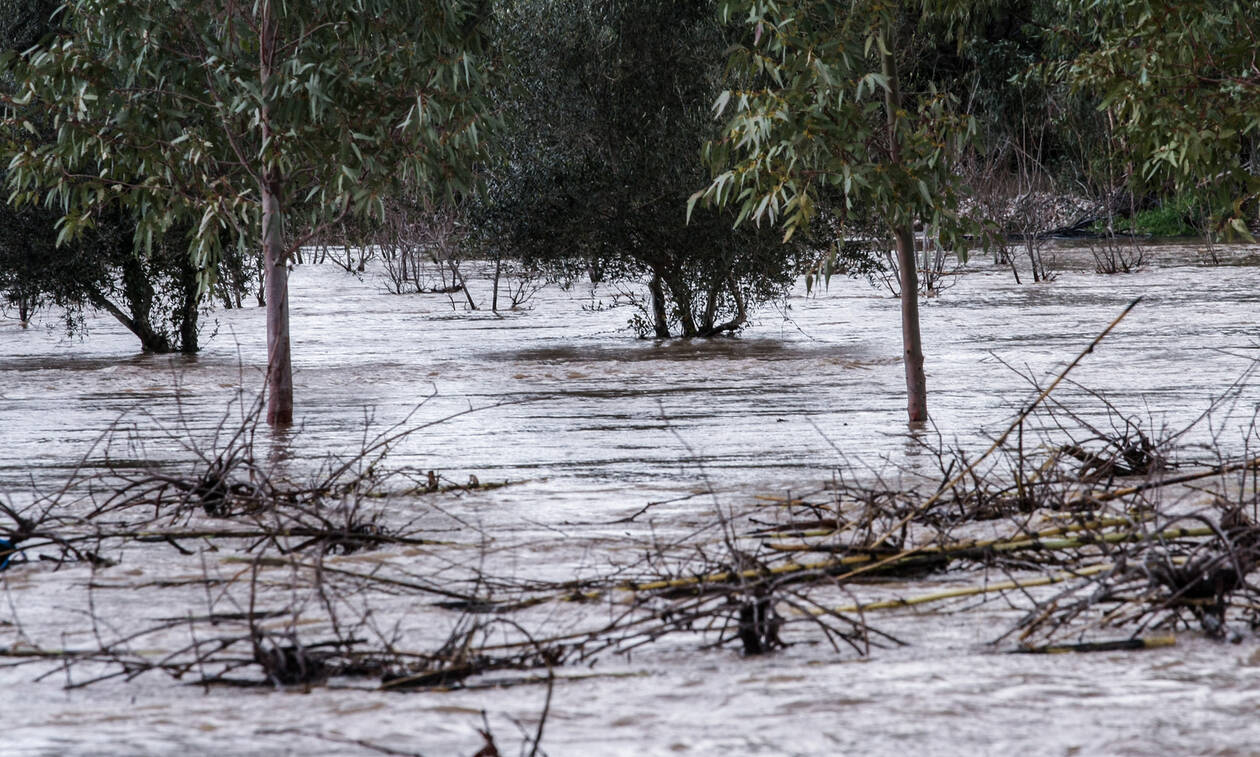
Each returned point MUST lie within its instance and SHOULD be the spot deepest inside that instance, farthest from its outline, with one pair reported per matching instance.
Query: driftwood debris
(1091, 534)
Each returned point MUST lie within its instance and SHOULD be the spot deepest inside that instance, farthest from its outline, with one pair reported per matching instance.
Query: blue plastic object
(7, 551)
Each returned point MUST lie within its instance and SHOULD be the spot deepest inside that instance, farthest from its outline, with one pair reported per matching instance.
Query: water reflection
(279, 444)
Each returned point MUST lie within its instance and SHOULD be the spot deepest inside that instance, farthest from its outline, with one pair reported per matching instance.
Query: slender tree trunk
(903, 232)
(911, 343)
(683, 301)
(190, 301)
(494, 296)
(279, 364)
(275, 269)
(709, 319)
(457, 279)
(660, 322)
(224, 293)
(260, 270)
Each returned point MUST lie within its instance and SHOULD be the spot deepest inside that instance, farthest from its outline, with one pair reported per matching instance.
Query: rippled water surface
(593, 425)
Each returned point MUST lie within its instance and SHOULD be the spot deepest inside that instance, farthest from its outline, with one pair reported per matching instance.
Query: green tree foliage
(818, 113)
(809, 118)
(1182, 83)
(268, 119)
(608, 110)
(155, 295)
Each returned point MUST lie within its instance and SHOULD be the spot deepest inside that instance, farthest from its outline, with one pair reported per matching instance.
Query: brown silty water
(615, 447)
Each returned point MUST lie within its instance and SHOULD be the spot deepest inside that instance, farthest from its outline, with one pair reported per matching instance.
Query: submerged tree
(817, 111)
(268, 119)
(154, 295)
(607, 107)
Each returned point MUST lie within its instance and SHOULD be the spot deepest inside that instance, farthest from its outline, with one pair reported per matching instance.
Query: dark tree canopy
(607, 110)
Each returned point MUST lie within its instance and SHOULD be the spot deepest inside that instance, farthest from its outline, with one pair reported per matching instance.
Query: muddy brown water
(593, 425)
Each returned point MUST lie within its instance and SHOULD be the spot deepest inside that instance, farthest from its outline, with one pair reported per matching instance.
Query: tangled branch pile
(1101, 537)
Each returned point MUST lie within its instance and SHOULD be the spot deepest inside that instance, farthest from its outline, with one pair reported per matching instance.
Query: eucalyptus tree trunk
(279, 365)
(275, 269)
(903, 233)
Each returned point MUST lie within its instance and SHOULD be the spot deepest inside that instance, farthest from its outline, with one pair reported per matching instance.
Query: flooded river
(593, 426)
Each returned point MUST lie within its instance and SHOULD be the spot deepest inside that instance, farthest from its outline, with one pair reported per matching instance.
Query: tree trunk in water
(275, 270)
(261, 294)
(683, 303)
(190, 300)
(709, 319)
(903, 232)
(494, 296)
(138, 295)
(912, 345)
(279, 365)
(660, 322)
(150, 340)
